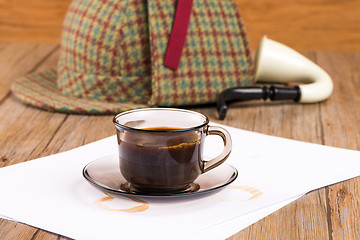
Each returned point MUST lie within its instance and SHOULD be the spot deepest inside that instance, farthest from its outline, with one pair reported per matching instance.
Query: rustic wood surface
(302, 24)
(332, 212)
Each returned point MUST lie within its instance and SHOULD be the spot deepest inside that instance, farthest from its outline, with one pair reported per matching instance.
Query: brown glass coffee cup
(161, 149)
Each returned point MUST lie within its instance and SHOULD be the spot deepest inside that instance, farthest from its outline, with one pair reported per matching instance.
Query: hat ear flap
(105, 51)
(104, 64)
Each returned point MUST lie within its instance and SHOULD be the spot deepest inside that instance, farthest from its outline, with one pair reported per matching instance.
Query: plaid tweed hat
(118, 55)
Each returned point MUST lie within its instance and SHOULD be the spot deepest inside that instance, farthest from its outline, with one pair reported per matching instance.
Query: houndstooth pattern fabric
(105, 51)
(112, 54)
(215, 56)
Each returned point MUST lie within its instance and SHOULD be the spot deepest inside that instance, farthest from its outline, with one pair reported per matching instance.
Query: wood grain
(32, 21)
(299, 122)
(328, 213)
(301, 24)
(22, 132)
(19, 61)
(332, 212)
(341, 126)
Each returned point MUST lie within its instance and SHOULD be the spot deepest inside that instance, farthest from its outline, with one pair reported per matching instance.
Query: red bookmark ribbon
(178, 34)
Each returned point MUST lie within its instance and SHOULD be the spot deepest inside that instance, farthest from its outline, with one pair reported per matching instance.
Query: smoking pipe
(276, 63)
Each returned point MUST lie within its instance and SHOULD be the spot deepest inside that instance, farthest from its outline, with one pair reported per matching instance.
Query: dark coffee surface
(160, 160)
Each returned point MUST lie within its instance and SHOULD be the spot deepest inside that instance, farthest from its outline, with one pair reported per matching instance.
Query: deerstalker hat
(112, 56)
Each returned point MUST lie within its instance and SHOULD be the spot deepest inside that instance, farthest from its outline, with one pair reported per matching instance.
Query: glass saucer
(104, 173)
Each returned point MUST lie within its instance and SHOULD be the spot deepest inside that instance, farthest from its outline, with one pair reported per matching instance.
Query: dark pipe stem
(252, 93)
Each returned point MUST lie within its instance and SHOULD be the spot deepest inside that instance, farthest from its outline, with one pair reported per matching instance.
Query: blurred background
(305, 25)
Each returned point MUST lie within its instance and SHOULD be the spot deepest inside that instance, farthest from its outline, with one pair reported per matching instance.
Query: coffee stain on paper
(141, 208)
(255, 194)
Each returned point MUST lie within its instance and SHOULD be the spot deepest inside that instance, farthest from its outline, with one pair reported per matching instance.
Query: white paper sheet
(51, 193)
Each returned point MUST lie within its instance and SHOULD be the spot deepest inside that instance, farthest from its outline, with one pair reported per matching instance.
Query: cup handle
(214, 130)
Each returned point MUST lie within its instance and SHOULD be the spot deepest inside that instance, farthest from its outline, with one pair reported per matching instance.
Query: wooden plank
(42, 235)
(301, 24)
(304, 25)
(298, 220)
(341, 123)
(27, 138)
(330, 213)
(32, 21)
(13, 230)
(294, 121)
(79, 130)
(24, 131)
(340, 128)
(17, 59)
(21, 120)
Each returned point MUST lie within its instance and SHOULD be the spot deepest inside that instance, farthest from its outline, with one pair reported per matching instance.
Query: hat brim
(40, 90)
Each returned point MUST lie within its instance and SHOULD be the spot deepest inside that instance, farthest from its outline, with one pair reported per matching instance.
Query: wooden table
(332, 212)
